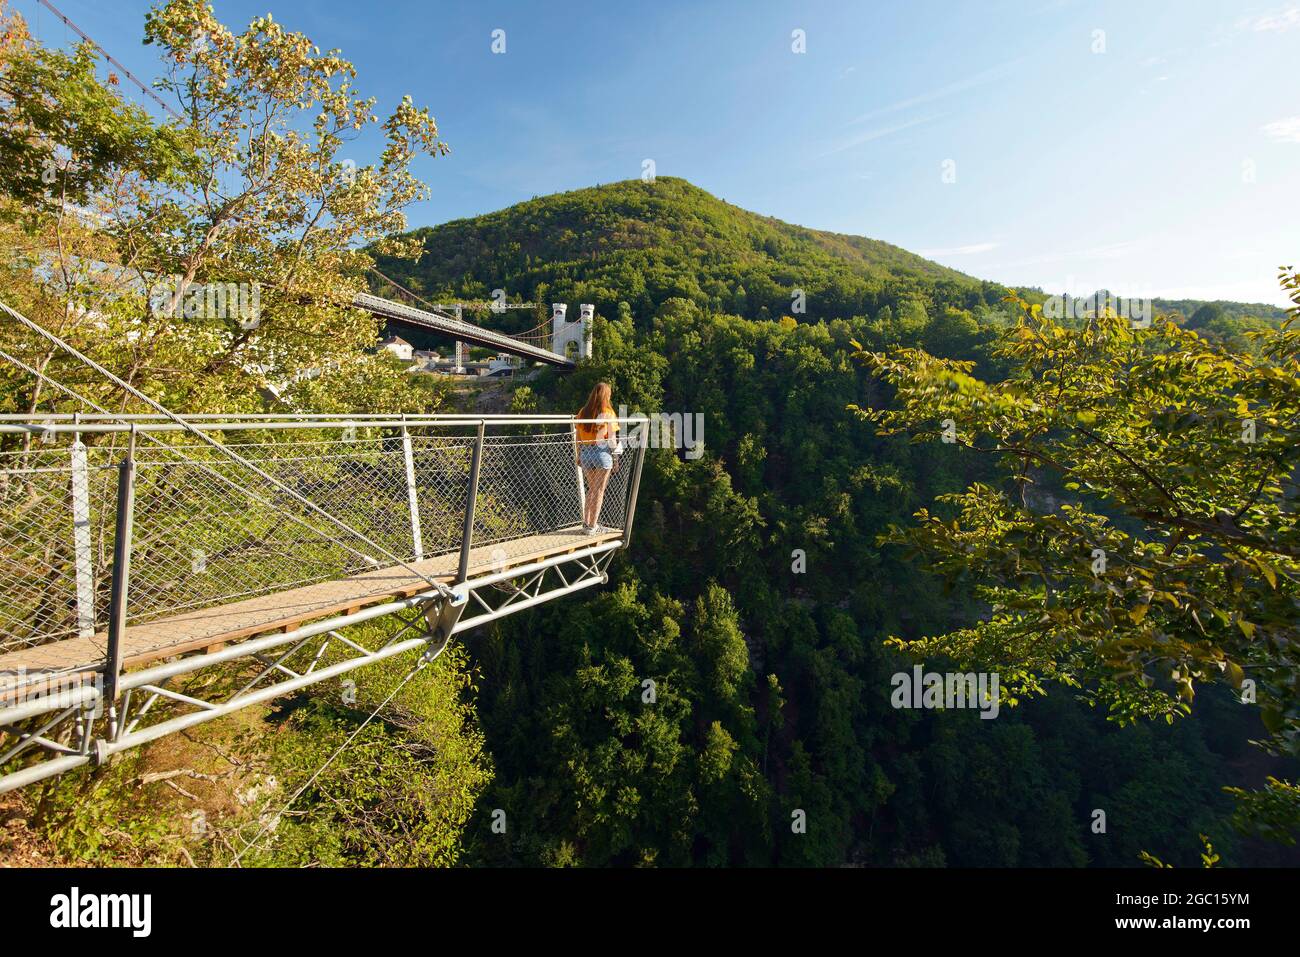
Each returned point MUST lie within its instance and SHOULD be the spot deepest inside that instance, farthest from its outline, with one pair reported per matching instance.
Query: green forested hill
(644, 243)
(757, 597)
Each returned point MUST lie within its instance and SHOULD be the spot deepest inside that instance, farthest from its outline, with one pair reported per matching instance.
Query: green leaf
(1266, 570)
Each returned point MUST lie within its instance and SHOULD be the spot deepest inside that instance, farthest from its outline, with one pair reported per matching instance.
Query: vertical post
(635, 484)
(582, 484)
(471, 498)
(121, 570)
(460, 346)
(81, 547)
(417, 540)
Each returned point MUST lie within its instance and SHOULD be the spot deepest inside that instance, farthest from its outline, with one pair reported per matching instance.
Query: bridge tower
(571, 339)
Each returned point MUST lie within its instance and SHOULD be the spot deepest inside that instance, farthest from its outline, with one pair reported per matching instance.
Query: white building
(398, 347)
(503, 364)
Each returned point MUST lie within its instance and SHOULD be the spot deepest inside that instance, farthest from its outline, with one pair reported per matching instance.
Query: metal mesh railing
(200, 539)
(529, 486)
(207, 532)
(40, 576)
(116, 513)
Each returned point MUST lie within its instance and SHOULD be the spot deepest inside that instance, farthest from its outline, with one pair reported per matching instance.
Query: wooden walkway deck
(209, 628)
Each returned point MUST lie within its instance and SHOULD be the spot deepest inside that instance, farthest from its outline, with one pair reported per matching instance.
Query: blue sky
(1149, 147)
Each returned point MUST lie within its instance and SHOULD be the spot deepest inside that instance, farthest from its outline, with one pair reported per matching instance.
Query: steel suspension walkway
(126, 568)
(159, 572)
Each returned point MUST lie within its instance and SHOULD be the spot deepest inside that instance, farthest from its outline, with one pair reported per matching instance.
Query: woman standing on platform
(597, 442)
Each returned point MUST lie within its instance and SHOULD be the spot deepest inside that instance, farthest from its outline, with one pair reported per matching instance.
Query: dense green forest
(772, 681)
(625, 243)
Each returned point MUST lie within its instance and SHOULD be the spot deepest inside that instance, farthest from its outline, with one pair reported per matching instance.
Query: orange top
(587, 432)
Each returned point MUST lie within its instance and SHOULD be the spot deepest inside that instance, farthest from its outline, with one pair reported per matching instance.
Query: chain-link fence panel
(209, 531)
(53, 572)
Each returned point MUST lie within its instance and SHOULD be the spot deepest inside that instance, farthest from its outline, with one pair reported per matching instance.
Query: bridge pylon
(572, 340)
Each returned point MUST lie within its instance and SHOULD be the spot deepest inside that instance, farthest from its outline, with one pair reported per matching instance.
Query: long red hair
(598, 402)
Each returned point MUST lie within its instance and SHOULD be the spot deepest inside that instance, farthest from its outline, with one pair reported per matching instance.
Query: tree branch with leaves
(1165, 552)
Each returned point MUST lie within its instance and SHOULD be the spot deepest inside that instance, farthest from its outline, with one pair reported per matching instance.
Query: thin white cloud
(1287, 18)
(874, 134)
(1283, 131)
(973, 249)
(959, 86)
(1108, 251)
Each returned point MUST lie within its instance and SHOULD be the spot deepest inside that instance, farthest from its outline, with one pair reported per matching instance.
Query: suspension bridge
(558, 342)
(159, 571)
(533, 345)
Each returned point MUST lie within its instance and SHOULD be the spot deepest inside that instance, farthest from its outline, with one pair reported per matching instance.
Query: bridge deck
(211, 627)
(457, 328)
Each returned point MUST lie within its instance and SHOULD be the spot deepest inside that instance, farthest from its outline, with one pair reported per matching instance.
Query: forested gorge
(771, 678)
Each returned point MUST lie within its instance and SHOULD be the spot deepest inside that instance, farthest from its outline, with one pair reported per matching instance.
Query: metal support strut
(471, 500)
(121, 573)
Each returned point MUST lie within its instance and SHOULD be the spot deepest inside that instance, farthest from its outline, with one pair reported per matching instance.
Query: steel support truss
(77, 724)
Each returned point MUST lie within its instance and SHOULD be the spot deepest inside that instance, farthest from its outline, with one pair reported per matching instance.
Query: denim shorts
(594, 457)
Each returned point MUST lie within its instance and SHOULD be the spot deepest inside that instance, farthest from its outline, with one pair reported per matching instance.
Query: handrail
(87, 425)
(412, 487)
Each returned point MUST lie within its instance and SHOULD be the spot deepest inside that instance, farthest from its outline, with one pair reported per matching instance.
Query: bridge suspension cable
(402, 289)
(147, 90)
(272, 822)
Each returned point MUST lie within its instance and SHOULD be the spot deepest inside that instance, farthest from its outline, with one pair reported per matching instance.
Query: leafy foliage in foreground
(1174, 559)
(118, 233)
